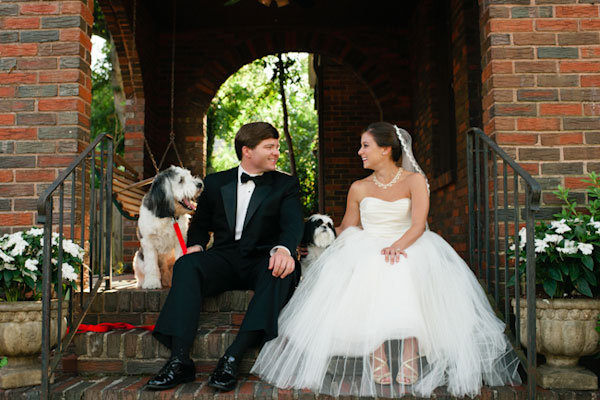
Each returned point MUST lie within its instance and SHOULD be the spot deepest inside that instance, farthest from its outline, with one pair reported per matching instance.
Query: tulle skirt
(355, 317)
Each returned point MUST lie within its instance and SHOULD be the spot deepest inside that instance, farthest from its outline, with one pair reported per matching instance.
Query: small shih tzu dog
(171, 198)
(319, 233)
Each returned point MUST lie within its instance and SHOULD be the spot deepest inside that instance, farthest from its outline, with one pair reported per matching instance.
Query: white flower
(551, 238)
(585, 248)
(68, 272)
(512, 247)
(31, 275)
(16, 240)
(560, 226)
(522, 239)
(570, 247)
(5, 257)
(540, 245)
(72, 248)
(31, 264)
(595, 225)
(19, 248)
(35, 231)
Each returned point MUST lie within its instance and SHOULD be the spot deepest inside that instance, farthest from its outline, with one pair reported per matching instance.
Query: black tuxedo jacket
(274, 215)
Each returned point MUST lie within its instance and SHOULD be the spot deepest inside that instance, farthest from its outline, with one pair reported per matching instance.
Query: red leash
(109, 326)
(179, 237)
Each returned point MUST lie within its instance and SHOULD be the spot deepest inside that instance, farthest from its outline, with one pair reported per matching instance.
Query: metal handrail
(99, 242)
(479, 148)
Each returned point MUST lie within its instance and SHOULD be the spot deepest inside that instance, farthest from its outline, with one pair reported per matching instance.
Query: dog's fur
(171, 197)
(319, 233)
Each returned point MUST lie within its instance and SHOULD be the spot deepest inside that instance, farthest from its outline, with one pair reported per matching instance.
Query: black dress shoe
(174, 372)
(224, 376)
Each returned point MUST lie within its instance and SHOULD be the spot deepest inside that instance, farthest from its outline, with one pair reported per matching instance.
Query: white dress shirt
(244, 193)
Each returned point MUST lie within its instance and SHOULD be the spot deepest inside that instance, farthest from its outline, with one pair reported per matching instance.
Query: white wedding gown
(351, 301)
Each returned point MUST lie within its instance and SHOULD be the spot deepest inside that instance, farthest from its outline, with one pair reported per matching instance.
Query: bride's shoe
(413, 375)
(380, 377)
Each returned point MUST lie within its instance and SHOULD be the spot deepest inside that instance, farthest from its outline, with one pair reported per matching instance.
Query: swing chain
(172, 133)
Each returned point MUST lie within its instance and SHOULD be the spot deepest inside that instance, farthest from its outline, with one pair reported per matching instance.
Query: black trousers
(214, 271)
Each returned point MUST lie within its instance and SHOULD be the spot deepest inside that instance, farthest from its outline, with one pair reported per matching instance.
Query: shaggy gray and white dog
(171, 198)
(319, 233)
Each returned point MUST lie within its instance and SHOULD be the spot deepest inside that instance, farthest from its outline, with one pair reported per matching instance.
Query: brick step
(132, 387)
(143, 300)
(141, 307)
(136, 352)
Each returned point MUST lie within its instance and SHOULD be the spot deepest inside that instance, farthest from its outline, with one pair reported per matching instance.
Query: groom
(255, 215)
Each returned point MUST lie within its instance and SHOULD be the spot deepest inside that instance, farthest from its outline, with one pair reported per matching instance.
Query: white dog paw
(151, 283)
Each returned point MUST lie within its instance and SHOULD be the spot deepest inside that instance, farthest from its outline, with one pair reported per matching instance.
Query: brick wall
(45, 96)
(444, 107)
(347, 110)
(541, 74)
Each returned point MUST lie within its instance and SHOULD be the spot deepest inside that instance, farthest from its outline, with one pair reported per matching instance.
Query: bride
(389, 308)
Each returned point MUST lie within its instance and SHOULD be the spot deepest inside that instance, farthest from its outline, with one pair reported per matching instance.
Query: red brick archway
(121, 27)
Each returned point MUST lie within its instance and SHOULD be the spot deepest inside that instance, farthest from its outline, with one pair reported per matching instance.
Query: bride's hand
(392, 254)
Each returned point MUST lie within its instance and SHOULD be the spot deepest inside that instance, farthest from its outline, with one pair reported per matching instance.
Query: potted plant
(20, 301)
(568, 290)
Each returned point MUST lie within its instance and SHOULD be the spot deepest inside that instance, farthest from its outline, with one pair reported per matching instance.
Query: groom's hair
(250, 135)
(385, 135)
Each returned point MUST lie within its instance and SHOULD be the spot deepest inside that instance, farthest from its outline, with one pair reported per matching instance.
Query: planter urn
(21, 341)
(565, 331)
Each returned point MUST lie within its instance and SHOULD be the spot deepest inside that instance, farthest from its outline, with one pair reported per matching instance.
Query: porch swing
(128, 192)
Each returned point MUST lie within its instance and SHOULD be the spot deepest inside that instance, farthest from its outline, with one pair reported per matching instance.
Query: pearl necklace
(387, 185)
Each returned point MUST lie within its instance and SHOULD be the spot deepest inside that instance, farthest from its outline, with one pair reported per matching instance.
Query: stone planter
(565, 331)
(21, 341)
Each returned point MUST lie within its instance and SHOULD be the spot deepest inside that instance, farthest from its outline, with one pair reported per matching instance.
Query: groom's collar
(241, 170)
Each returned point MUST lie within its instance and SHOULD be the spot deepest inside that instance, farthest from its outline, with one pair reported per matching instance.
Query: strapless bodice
(385, 218)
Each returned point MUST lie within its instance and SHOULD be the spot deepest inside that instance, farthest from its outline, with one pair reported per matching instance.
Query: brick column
(45, 97)
(541, 74)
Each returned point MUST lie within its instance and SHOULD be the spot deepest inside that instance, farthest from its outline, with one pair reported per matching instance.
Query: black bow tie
(258, 179)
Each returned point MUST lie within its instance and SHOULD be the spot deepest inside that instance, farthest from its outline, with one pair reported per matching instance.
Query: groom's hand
(194, 249)
(281, 263)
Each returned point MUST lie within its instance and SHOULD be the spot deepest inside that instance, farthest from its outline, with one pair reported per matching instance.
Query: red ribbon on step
(111, 326)
(180, 237)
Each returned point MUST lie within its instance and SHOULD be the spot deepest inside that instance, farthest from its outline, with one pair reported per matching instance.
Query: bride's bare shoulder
(358, 188)
(414, 176)
(360, 184)
(416, 180)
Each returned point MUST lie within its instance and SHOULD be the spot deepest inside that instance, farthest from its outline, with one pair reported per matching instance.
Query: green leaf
(564, 268)
(574, 272)
(550, 287)
(511, 281)
(555, 274)
(588, 262)
(582, 287)
(8, 275)
(590, 277)
(29, 282)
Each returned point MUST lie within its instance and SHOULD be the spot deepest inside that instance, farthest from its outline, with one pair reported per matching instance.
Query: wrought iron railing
(89, 190)
(489, 232)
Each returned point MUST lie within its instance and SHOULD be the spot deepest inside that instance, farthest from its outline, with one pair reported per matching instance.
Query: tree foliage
(104, 114)
(252, 94)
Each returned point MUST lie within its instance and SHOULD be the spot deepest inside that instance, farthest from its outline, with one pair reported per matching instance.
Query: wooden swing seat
(128, 189)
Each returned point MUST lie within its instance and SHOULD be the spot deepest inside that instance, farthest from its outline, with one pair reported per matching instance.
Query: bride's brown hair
(384, 135)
